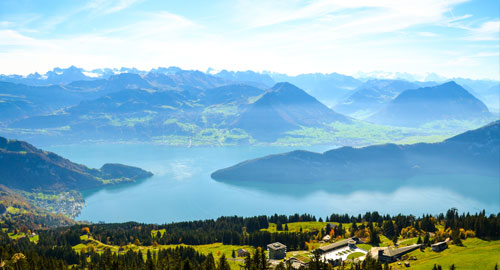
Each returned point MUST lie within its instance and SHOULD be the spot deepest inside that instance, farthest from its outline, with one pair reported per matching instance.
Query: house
(390, 255)
(440, 246)
(326, 238)
(296, 263)
(277, 251)
(242, 252)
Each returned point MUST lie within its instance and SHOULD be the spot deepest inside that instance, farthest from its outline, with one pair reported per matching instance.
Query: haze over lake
(182, 189)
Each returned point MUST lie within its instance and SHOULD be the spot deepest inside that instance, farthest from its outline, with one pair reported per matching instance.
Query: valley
(180, 133)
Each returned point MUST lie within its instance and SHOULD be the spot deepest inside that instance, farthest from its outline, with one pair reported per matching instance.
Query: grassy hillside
(16, 212)
(475, 254)
(217, 249)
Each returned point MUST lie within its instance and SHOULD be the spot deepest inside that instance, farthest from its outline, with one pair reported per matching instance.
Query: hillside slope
(17, 211)
(474, 152)
(25, 167)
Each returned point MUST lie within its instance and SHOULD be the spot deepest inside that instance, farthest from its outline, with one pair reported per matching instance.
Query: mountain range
(226, 107)
(330, 88)
(472, 152)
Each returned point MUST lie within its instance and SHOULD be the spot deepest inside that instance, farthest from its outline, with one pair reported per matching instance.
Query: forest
(54, 247)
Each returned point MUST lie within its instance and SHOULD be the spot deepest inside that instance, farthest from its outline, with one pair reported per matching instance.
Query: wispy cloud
(427, 34)
(285, 36)
(487, 31)
(395, 13)
(110, 6)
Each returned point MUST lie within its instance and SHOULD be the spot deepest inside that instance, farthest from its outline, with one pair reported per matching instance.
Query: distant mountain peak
(283, 108)
(447, 101)
(285, 86)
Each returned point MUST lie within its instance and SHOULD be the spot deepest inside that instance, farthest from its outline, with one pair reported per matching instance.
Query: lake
(182, 189)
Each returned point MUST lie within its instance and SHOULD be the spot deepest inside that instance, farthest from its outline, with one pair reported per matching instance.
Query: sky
(453, 38)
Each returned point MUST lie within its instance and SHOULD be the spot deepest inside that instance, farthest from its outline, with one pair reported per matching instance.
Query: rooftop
(389, 252)
(336, 245)
(276, 246)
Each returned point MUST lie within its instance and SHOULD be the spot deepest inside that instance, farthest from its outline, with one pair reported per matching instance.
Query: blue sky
(454, 38)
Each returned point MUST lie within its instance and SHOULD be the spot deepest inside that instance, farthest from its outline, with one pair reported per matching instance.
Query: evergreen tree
(388, 229)
(186, 265)
(223, 264)
(427, 241)
(209, 263)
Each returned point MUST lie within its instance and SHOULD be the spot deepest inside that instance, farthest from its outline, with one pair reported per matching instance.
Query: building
(351, 242)
(277, 251)
(296, 263)
(338, 252)
(242, 252)
(390, 255)
(437, 247)
(326, 238)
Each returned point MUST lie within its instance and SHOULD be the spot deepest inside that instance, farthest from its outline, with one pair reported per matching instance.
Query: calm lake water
(182, 189)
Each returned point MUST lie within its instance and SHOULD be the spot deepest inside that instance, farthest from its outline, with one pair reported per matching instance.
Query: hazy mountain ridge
(260, 80)
(164, 103)
(448, 101)
(475, 151)
(372, 95)
(328, 88)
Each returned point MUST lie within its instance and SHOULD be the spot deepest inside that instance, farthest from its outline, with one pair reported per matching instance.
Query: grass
(475, 254)
(299, 254)
(366, 247)
(307, 226)
(385, 242)
(224, 109)
(409, 241)
(217, 249)
(16, 236)
(355, 255)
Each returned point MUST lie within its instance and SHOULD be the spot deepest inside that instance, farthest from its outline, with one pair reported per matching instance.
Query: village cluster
(339, 251)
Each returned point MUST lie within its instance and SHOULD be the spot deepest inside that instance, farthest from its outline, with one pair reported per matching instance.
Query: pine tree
(388, 229)
(427, 241)
(223, 264)
(186, 266)
(209, 263)
(419, 241)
